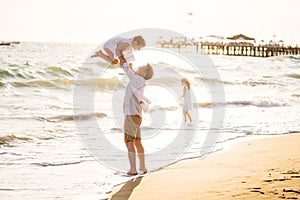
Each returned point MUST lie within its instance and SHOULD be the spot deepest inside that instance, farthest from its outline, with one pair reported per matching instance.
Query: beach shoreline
(255, 168)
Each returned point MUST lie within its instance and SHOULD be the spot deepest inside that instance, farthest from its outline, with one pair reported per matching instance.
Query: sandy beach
(263, 168)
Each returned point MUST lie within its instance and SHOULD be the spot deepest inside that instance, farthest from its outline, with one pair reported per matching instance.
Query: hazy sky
(98, 20)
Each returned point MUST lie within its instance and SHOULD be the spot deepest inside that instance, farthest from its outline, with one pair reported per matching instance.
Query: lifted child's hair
(139, 40)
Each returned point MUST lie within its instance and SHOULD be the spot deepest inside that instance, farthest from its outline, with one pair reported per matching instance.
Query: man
(132, 109)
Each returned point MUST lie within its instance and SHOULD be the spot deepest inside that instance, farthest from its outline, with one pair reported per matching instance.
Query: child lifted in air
(116, 47)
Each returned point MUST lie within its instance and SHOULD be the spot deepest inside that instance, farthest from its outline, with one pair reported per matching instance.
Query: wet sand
(265, 168)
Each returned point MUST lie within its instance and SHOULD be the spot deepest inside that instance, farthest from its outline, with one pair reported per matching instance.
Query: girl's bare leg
(184, 115)
(189, 116)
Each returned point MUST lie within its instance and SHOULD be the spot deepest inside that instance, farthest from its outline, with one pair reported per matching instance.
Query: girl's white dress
(187, 104)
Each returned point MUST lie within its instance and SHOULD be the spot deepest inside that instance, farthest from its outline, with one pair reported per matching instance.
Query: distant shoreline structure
(3, 43)
(237, 45)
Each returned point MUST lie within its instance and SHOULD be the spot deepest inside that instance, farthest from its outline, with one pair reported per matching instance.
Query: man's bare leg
(132, 158)
(141, 155)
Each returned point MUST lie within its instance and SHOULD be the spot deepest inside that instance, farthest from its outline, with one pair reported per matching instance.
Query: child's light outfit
(113, 43)
(187, 104)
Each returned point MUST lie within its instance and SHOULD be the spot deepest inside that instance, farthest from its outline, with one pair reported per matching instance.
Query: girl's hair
(187, 82)
(139, 40)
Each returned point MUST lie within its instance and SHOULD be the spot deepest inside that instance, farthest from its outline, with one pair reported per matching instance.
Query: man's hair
(139, 40)
(148, 72)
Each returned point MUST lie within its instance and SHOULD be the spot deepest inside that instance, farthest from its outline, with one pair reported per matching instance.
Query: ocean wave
(165, 80)
(294, 75)
(203, 105)
(296, 95)
(212, 80)
(293, 57)
(46, 164)
(13, 64)
(16, 72)
(35, 83)
(108, 84)
(104, 83)
(266, 104)
(5, 74)
(10, 138)
(259, 82)
(175, 80)
(285, 57)
(61, 118)
(171, 108)
(58, 71)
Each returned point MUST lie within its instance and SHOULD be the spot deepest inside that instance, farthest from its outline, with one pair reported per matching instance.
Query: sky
(95, 21)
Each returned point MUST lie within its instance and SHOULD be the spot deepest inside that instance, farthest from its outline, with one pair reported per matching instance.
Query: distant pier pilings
(236, 49)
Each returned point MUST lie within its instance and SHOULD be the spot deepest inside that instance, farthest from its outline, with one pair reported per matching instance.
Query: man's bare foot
(132, 173)
(143, 171)
(97, 54)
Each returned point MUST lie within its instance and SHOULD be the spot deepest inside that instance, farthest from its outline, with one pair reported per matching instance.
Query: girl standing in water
(187, 104)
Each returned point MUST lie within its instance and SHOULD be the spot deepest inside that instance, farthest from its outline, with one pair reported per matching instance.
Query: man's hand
(122, 61)
(121, 47)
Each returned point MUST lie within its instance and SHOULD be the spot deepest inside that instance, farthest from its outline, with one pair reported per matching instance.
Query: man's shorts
(132, 130)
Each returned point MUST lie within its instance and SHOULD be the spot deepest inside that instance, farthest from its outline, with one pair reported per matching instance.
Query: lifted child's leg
(100, 54)
(111, 56)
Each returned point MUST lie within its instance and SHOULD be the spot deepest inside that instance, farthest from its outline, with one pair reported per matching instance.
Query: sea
(62, 123)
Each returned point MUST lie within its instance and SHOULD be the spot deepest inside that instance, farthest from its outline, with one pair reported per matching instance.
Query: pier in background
(239, 45)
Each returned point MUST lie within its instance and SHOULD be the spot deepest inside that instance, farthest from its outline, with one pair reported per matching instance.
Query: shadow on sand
(125, 192)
